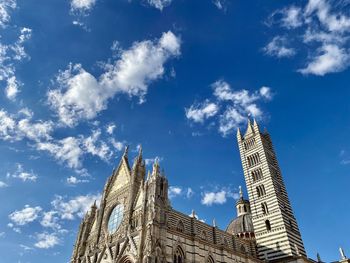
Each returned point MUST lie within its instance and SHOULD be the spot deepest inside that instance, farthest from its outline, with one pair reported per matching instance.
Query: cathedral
(135, 222)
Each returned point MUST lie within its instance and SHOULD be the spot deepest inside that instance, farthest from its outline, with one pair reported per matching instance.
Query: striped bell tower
(276, 229)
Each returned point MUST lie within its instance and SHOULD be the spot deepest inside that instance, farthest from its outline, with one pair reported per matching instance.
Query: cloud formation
(218, 196)
(80, 96)
(26, 215)
(75, 207)
(23, 175)
(228, 108)
(323, 28)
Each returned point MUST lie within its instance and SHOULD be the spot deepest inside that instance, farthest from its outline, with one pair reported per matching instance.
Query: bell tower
(276, 229)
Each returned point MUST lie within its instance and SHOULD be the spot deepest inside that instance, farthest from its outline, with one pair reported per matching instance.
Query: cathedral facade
(135, 222)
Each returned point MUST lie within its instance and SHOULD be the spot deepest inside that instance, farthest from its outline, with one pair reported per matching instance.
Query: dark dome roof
(242, 224)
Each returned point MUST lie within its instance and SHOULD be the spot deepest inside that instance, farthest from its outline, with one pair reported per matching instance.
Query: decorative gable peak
(250, 130)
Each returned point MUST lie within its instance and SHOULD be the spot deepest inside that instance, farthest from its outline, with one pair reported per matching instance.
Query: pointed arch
(126, 259)
(178, 255)
(210, 259)
(180, 226)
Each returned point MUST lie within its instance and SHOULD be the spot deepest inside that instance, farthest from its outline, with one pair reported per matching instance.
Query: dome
(241, 224)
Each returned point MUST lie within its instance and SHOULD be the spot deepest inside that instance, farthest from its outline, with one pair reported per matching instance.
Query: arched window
(243, 250)
(245, 208)
(178, 255)
(210, 260)
(180, 227)
(258, 191)
(264, 208)
(268, 225)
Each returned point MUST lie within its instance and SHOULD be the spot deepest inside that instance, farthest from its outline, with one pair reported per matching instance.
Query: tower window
(268, 225)
(257, 174)
(260, 190)
(245, 208)
(249, 144)
(264, 208)
(253, 159)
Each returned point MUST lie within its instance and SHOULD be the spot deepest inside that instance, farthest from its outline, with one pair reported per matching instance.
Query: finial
(342, 254)
(140, 150)
(214, 222)
(94, 205)
(193, 214)
(240, 192)
(318, 257)
(126, 151)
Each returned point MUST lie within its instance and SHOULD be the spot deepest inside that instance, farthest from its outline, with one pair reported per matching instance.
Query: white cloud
(291, 17)
(5, 7)
(201, 112)
(95, 146)
(278, 48)
(81, 96)
(220, 4)
(82, 5)
(26, 215)
(330, 58)
(150, 161)
(189, 192)
(72, 180)
(76, 207)
(46, 240)
(23, 175)
(159, 4)
(66, 150)
(110, 128)
(230, 120)
(119, 146)
(232, 106)
(211, 198)
(24, 247)
(12, 88)
(218, 197)
(174, 191)
(14, 128)
(10, 54)
(177, 191)
(3, 184)
(322, 25)
(50, 220)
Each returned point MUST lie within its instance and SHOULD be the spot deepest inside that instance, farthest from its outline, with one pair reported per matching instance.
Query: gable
(121, 177)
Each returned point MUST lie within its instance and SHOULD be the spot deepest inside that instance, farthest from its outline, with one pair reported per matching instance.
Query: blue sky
(80, 79)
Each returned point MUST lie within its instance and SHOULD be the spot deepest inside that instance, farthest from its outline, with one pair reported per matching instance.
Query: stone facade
(151, 231)
(135, 222)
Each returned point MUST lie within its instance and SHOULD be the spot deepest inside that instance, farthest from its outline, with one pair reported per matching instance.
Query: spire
(240, 192)
(126, 151)
(249, 128)
(256, 126)
(156, 168)
(239, 135)
(214, 222)
(342, 254)
(193, 214)
(319, 258)
(140, 152)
